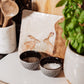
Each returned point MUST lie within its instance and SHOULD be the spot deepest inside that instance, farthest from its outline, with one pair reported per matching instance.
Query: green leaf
(68, 15)
(79, 1)
(61, 3)
(63, 36)
(78, 29)
(83, 44)
(70, 25)
(75, 45)
(80, 38)
(81, 17)
(79, 48)
(66, 42)
(72, 41)
(77, 11)
(62, 24)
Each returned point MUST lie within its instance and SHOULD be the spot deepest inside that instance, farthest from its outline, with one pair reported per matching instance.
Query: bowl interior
(30, 55)
(48, 60)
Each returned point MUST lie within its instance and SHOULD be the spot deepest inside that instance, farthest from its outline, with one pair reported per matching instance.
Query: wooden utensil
(0, 14)
(9, 9)
(2, 82)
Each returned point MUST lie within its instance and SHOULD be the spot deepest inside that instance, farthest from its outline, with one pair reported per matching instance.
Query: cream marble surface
(13, 72)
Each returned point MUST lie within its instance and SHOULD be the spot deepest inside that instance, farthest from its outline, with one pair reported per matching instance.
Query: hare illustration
(30, 45)
(49, 44)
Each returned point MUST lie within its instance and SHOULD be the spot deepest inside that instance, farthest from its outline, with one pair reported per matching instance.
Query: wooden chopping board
(47, 6)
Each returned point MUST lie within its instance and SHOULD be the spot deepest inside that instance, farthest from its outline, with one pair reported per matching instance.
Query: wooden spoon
(0, 14)
(9, 9)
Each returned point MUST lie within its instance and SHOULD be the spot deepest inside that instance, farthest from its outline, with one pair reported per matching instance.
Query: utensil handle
(2, 82)
(5, 22)
(1, 17)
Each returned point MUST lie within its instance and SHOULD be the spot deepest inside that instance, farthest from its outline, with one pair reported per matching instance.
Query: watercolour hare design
(30, 45)
(49, 44)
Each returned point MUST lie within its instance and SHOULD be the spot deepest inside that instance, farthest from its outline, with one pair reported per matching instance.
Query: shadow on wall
(35, 8)
(27, 14)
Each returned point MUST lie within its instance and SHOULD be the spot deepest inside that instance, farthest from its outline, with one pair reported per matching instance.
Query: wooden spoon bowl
(9, 9)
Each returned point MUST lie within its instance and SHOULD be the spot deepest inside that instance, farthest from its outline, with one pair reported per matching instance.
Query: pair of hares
(31, 45)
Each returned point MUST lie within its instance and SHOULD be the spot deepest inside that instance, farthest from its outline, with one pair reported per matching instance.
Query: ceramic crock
(74, 67)
(7, 39)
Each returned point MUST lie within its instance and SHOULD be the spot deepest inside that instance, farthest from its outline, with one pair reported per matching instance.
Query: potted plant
(73, 32)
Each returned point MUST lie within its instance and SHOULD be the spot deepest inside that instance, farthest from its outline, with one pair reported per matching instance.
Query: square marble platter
(38, 32)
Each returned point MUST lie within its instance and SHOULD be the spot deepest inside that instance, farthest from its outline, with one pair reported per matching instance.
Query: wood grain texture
(60, 48)
(0, 14)
(47, 6)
